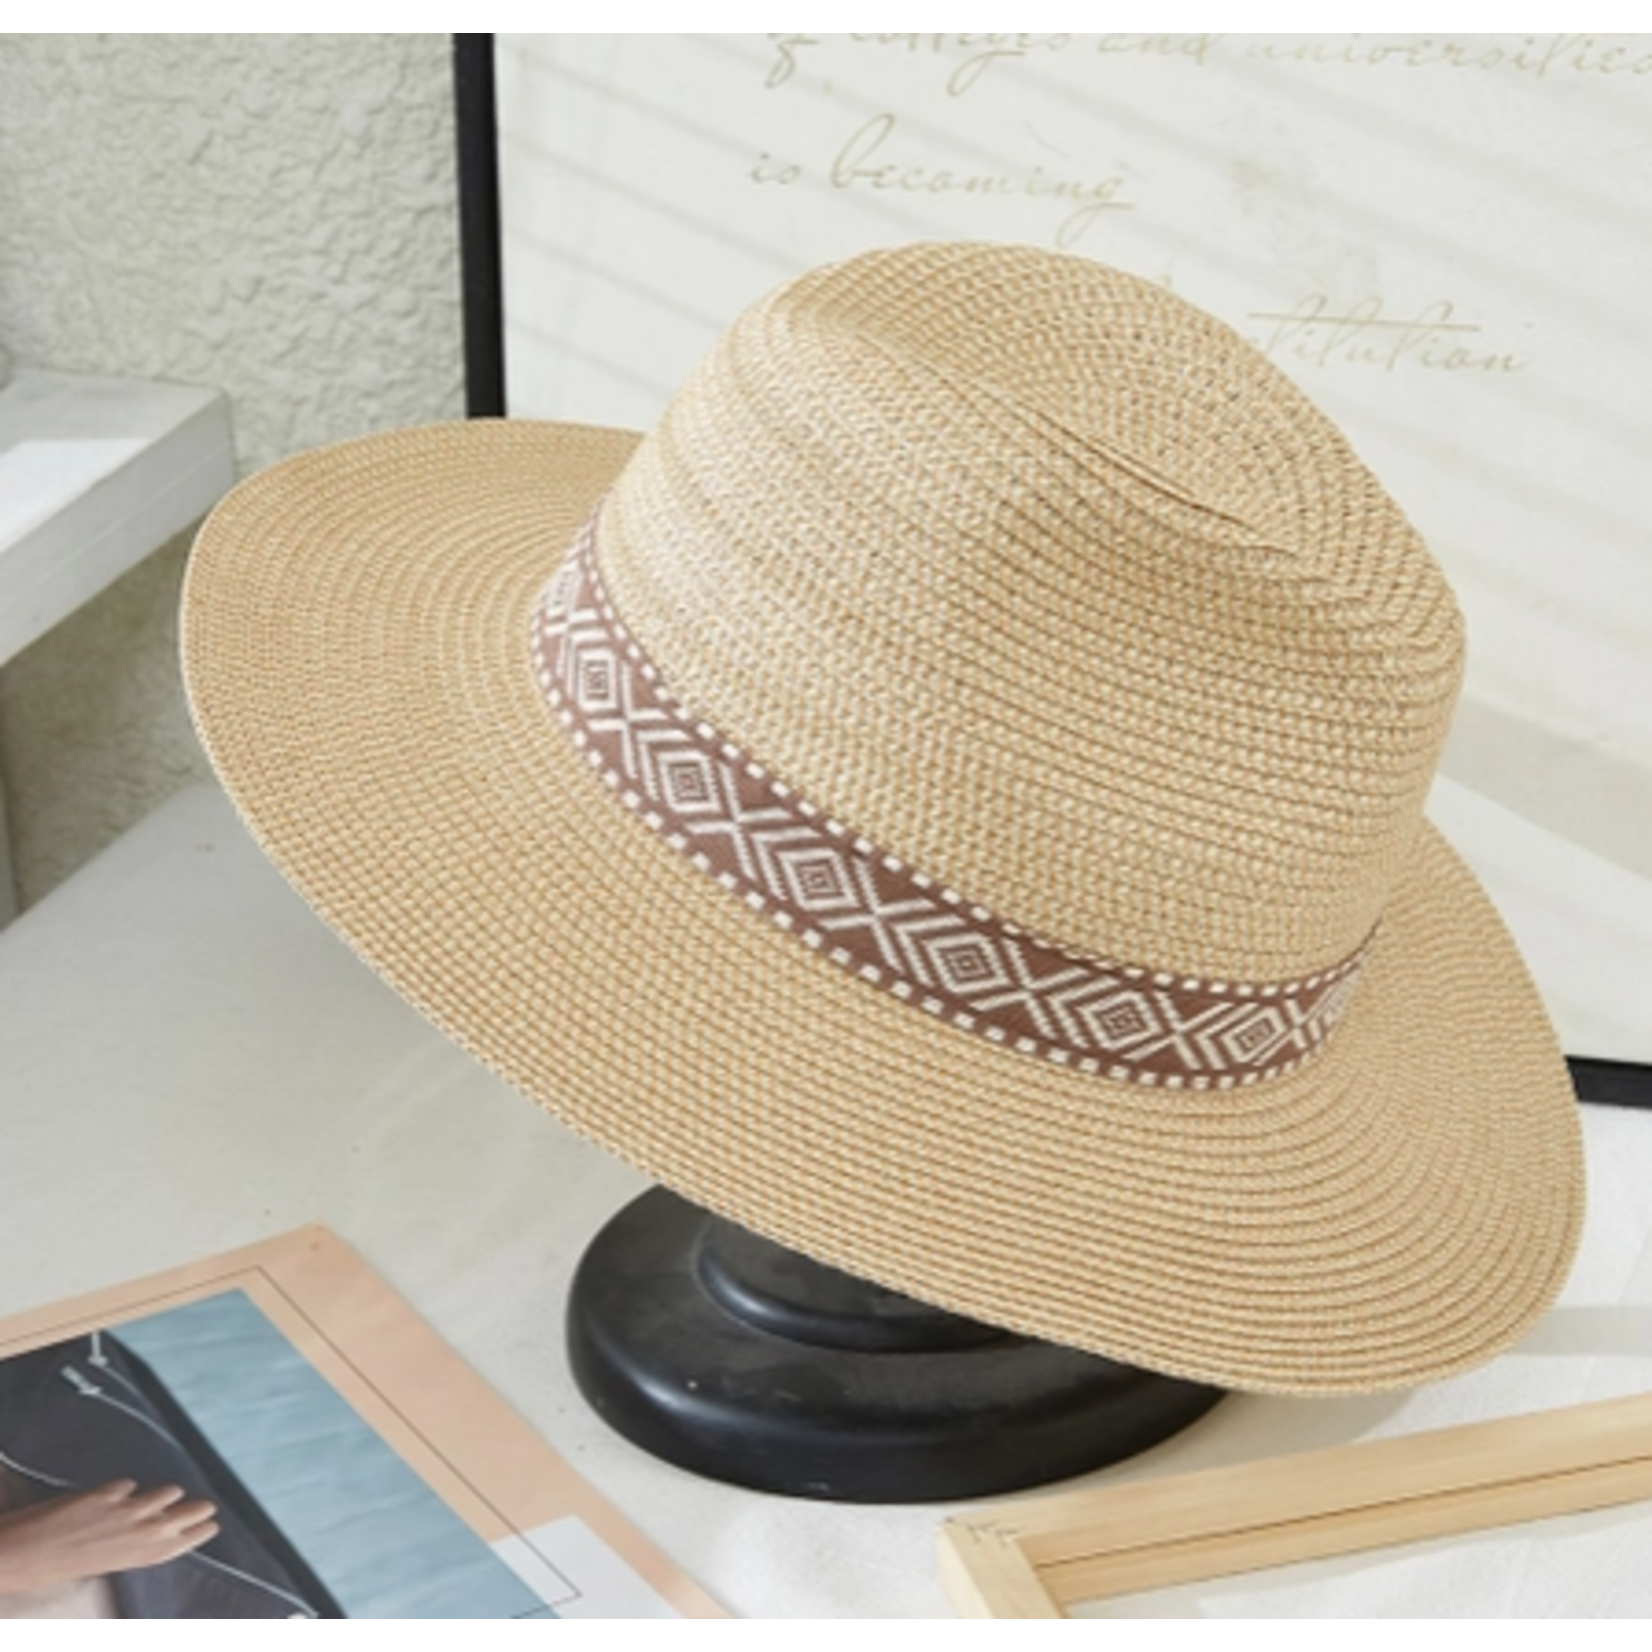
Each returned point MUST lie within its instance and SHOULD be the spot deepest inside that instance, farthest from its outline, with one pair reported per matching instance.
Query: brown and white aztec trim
(885, 921)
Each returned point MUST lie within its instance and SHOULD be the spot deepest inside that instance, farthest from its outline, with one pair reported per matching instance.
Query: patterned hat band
(884, 921)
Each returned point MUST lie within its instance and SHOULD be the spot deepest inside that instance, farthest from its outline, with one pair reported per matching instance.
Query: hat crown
(1052, 586)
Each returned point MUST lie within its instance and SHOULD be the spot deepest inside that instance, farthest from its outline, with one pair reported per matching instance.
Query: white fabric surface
(189, 1061)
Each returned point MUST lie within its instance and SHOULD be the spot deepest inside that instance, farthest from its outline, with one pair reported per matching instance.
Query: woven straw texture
(1048, 584)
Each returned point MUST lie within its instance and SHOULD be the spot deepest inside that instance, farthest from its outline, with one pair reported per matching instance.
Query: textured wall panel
(273, 215)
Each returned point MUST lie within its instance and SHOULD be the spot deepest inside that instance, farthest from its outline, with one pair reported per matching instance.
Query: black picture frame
(1608, 1083)
(1611, 1083)
(482, 287)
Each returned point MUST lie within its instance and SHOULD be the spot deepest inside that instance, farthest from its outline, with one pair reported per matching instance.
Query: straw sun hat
(948, 799)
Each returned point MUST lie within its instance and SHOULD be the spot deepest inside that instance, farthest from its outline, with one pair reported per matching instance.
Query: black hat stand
(745, 1362)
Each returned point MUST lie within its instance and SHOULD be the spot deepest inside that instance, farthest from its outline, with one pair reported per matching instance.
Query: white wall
(272, 215)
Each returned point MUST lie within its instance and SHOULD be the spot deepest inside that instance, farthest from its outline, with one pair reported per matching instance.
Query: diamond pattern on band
(887, 922)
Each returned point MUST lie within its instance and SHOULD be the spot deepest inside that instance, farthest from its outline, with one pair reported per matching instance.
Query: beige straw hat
(954, 808)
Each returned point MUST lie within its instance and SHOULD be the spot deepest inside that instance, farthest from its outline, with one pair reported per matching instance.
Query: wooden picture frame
(344, 1372)
(1036, 1559)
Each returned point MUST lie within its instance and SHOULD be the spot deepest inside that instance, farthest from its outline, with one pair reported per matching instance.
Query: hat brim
(356, 647)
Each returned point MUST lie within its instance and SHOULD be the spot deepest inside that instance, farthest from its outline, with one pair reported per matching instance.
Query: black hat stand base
(745, 1362)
